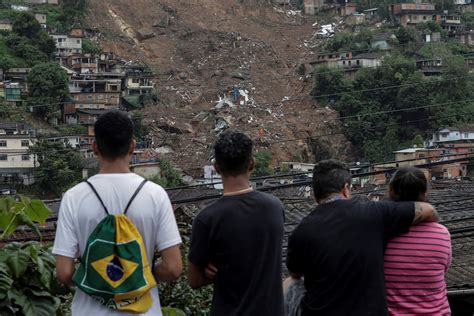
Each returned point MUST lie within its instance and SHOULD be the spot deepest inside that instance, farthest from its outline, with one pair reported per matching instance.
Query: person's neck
(236, 185)
(332, 196)
(120, 165)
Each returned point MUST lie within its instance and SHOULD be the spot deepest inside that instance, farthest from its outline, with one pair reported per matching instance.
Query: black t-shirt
(242, 236)
(339, 248)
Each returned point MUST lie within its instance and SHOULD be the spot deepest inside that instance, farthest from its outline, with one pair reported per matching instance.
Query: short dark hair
(330, 176)
(408, 184)
(113, 134)
(233, 152)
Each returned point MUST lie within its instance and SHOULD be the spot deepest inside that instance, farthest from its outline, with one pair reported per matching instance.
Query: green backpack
(114, 268)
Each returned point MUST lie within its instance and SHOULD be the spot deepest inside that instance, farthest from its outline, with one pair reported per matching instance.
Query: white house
(66, 45)
(450, 134)
(366, 60)
(300, 167)
(16, 164)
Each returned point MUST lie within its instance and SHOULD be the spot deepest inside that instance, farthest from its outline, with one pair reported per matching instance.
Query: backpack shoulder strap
(98, 196)
(134, 195)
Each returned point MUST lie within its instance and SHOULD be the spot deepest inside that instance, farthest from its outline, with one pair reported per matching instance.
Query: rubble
(223, 103)
(145, 33)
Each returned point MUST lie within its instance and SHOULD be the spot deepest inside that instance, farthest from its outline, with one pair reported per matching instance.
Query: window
(25, 157)
(135, 80)
(424, 17)
(3, 143)
(25, 143)
(466, 135)
(358, 62)
(78, 41)
(3, 157)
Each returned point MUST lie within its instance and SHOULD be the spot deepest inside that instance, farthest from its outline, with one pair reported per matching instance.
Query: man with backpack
(114, 222)
(238, 238)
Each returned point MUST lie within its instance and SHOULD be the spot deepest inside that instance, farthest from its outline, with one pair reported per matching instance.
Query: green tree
(263, 160)
(6, 62)
(90, 47)
(328, 81)
(25, 24)
(59, 166)
(48, 85)
(169, 176)
(405, 35)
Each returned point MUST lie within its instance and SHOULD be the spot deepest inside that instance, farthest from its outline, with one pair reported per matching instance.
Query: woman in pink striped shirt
(416, 262)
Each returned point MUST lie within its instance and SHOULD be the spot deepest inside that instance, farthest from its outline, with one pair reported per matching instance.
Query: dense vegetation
(29, 44)
(393, 106)
(59, 168)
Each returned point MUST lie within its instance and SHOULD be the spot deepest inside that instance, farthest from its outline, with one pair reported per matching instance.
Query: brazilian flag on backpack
(114, 268)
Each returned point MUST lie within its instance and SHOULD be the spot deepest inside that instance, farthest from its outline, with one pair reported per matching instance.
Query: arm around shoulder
(425, 212)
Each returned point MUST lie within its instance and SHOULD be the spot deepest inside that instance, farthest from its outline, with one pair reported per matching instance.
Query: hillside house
(466, 37)
(73, 141)
(16, 164)
(323, 59)
(11, 93)
(411, 14)
(451, 23)
(431, 37)
(451, 135)
(41, 18)
(96, 91)
(371, 14)
(311, 7)
(468, 7)
(351, 65)
(138, 85)
(6, 25)
(355, 19)
(66, 45)
(147, 169)
(430, 67)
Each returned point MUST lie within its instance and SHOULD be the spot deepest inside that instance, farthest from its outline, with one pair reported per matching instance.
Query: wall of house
(14, 152)
(106, 98)
(146, 171)
(6, 27)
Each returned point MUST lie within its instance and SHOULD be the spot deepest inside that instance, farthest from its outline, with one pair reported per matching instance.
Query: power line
(310, 172)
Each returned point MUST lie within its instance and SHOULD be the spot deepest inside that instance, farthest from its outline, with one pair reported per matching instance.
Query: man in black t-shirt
(338, 248)
(236, 242)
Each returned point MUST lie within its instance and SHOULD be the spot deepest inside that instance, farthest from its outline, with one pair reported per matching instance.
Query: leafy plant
(24, 211)
(27, 280)
(170, 311)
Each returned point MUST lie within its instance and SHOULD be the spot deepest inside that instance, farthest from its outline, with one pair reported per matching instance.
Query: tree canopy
(49, 86)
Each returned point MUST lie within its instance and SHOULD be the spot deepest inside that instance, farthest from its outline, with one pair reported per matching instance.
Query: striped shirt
(415, 265)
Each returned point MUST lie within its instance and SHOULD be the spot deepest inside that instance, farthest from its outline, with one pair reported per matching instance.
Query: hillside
(201, 50)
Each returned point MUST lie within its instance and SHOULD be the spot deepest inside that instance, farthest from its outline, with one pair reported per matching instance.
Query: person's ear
(423, 196)
(346, 191)
(133, 144)
(95, 148)
(251, 165)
